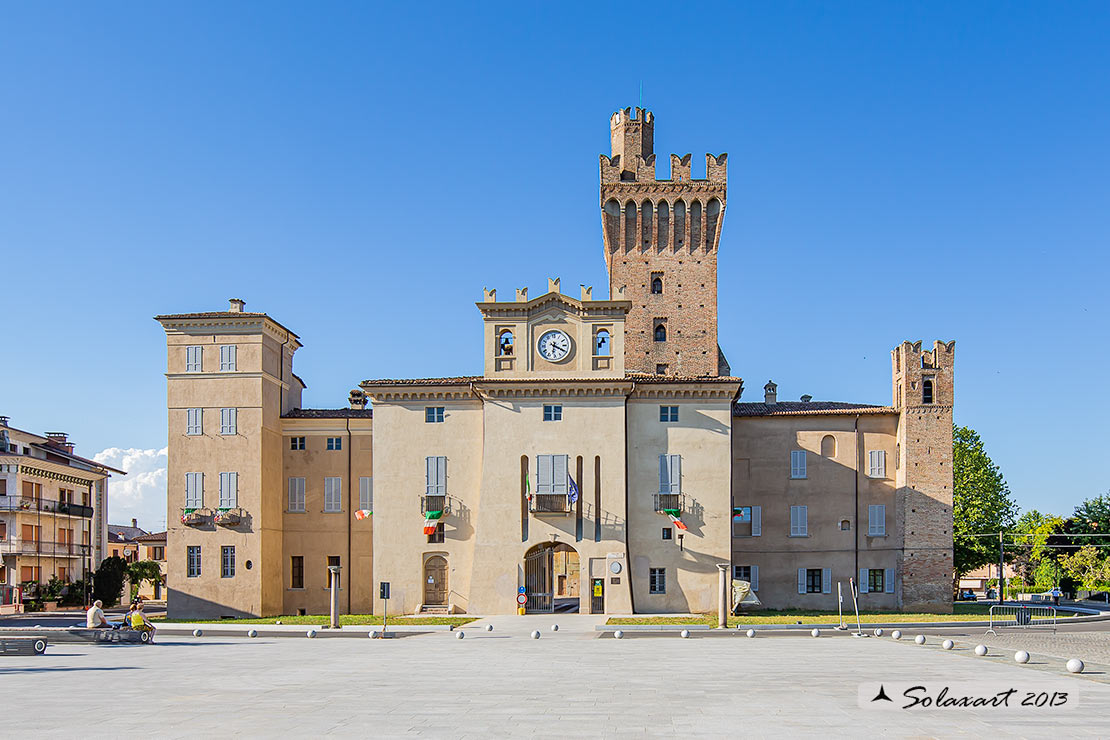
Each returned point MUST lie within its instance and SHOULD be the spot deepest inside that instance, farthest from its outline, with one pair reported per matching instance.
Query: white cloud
(141, 494)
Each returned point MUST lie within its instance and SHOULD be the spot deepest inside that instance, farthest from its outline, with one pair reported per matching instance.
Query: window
(749, 573)
(366, 493)
(876, 463)
(747, 521)
(194, 490)
(331, 494)
(552, 412)
(433, 414)
(333, 560)
(799, 521)
(657, 285)
(927, 391)
(192, 561)
(668, 533)
(551, 474)
(194, 421)
(670, 482)
(876, 583)
(660, 369)
(228, 420)
(602, 346)
(797, 463)
(296, 443)
(229, 490)
(845, 525)
(296, 571)
(660, 333)
(227, 561)
(296, 494)
(657, 580)
(335, 443)
(828, 446)
(192, 359)
(437, 536)
(227, 358)
(505, 344)
(435, 476)
(813, 580)
(157, 553)
(668, 413)
(876, 520)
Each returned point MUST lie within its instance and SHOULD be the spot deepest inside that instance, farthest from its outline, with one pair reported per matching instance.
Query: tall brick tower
(923, 386)
(661, 241)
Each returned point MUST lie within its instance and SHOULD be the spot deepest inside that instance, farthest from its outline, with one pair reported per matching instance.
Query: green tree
(1033, 546)
(143, 570)
(1092, 517)
(108, 580)
(981, 502)
(1087, 567)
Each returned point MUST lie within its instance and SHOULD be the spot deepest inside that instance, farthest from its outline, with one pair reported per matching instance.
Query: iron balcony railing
(550, 503)
(20, 546)
(668, 502)
(433, 503)
(22, 503)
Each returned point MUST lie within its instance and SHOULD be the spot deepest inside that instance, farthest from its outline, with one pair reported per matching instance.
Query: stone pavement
(502, 683)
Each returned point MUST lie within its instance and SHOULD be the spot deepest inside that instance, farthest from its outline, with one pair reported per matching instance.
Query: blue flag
(573, 495)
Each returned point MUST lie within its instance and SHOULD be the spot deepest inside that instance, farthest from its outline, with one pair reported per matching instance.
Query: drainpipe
(350, 513)
(627, 548)
(855, 430)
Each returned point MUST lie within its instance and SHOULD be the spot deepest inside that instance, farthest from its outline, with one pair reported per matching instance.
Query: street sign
(521, 590)
(522, 599)
(384, 593)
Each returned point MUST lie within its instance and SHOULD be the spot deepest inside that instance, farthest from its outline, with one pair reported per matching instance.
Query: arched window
(663, 217)
(712, 215)
(927, 391)
(695, 224)
(505, 344)
(645, 221)
(828, 446)
(602, 348)
(660, 333)
(630, 235)
(613, 223)
(657, 285)
(679, 223)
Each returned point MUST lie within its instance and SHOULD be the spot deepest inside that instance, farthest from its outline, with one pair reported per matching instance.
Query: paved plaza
(503, 683)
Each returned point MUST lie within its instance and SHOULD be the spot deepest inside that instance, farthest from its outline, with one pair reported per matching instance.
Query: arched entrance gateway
(551, 579)
(435, 581)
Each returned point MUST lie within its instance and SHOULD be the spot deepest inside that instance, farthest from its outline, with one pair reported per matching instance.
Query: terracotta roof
(808, 408)
(222, 315)
(153, 537)
(121, 533)
(58, 451)
(635, 377)
(329, 414)
(461, 380)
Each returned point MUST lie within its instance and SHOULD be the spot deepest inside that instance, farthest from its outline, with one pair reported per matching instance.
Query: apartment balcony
(550, 503)
(195, 517)
(229, 517)
(20, 503)
(668, 502)
(433, 503)
(20, 546)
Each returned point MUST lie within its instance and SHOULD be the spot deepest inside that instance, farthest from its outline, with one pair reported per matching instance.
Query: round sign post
(521, 600)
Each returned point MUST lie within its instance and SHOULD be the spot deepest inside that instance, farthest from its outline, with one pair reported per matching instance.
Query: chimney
(58, 439)
(807, 398)
(357, 399)
(236, 305)
(134, 523)
(770, 393)
(4, 421)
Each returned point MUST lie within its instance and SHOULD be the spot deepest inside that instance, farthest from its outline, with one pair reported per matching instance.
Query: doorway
(551, 579)
(435, 581)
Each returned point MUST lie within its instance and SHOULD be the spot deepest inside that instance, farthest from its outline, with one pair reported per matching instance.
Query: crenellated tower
(923, 387)
(661, 240)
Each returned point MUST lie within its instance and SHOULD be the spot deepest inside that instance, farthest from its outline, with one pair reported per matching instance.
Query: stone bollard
(1021, 656)
(948, 644)
(535, 634)
(619, 634)
(920, 639)
(554, 628)
(1075, 665)
(980, 650)
(878, 632)
(896, 634)
(310, 633)
(460, 635)
(750, 633)
(684, 633)
(197, 633)
(489, 628)
(252, 633)
(372, 634)
(815, 632)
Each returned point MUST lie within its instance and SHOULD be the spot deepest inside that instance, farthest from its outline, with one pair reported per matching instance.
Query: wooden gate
(538, 583)
(435, 581)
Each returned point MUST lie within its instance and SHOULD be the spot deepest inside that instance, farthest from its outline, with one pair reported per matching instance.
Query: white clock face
(554, 345)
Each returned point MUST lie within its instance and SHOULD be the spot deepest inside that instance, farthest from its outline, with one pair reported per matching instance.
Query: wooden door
(435, 581)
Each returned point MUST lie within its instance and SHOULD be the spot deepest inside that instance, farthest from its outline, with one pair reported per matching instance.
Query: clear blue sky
(897, 171)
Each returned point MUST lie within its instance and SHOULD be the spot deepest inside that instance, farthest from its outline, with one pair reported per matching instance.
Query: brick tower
(661, 241)
(923, 385)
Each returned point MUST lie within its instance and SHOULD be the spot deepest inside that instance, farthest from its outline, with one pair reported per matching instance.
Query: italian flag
(676, 517)
(362, 514)
(431, 519)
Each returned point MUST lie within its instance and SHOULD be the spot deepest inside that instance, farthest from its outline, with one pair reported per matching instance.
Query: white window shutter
(826, 580)
(793, 521)
(757, 521)
(801, 580)
(232, 355)
(429, 475)
(545, 473)
(882, 463)
(676, 473)
(755, 578)
(559, 474)
(863, 580)
(803, 520)
(880, 519)
(664, 475)
(234, 489)
(441, 476)
(888, 580)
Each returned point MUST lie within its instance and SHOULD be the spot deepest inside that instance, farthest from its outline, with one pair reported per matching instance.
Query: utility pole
(1001, 568)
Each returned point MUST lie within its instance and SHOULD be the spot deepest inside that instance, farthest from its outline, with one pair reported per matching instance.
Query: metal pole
(385, 616)
(334, 571)
(1001, 569)
(722, 595)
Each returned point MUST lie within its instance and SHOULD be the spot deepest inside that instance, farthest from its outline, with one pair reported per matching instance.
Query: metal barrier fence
(1021, 616)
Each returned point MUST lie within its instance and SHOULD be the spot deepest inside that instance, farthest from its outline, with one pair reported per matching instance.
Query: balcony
(19, 503)
(229, 517)
(20, 546)
(433, 503)
(667, 502)
(549, 503)
(195, 517)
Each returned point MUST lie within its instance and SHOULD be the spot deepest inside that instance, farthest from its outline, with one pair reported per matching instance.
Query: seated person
(94, 617)
(139, 621)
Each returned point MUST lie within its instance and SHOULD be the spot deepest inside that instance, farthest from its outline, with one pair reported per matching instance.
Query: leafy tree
(981, 502)
(143, 570)
(1087, 567)
(108, 580)
(1031, 553)
(1092, 517)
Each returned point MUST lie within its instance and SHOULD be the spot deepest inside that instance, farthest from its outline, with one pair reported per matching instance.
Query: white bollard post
(750, 633)
(684, 633)
(460, 635)
(1075, 665)
(1021, 656)
(815, 632)
(948, 644)
(896, 635)
(920, 639)
(980, 650)
(618, 634)
(535, 634)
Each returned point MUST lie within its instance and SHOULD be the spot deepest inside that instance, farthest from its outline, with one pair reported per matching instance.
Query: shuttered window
(670, 474)
(194, 490)
(331, 494)
(797, 463)
(435, 476)
(551, 474)
(799, 521)
(876, 520)
(888, 580)
(876, 463)
(227, 357)
(366, 493)
(194, 421)
(296, 494)
(193, 356)
(749, 573)
(229, 421)
(229, 490)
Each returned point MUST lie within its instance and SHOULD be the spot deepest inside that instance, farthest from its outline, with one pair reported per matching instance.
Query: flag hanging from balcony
(676, 517)
(573, 494)
(362, 514)
(431, 520)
